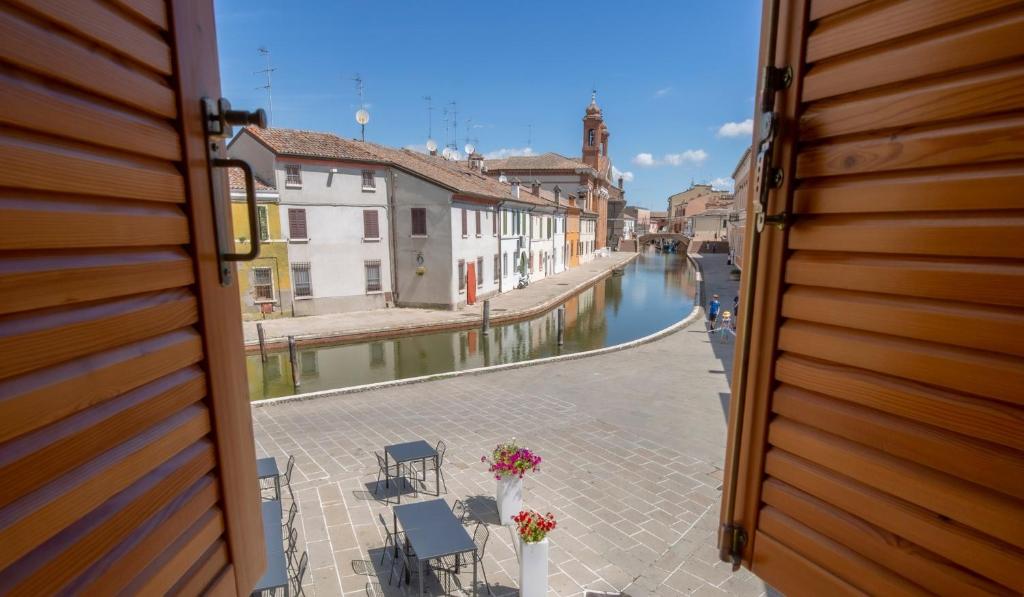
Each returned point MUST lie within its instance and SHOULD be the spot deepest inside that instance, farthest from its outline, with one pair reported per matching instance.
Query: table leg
(277, 487)
(475, 593)
(394, 534)
(419, 570)
(387, 471)
(437, 475)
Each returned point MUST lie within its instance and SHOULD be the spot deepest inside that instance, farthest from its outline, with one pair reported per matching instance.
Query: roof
(659, 214)
(236, 181)
(313, 144)
(544, 161)
(456, 175)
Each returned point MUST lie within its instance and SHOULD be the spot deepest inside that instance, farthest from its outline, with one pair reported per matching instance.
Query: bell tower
(595, 136)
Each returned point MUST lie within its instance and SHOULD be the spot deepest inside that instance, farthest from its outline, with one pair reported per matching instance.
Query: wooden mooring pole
(561, 325)
(293, 356)
(487, 316)
(263, 342)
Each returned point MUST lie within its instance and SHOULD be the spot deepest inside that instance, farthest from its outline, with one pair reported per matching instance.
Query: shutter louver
(297, 224)
(371, 228)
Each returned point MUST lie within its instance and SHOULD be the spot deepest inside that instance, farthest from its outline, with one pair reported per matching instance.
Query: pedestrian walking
(735, 310)
(713, 310)
(724, 327)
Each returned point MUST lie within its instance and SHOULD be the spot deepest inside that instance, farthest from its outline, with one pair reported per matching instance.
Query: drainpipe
(501, 237)
(393, 236)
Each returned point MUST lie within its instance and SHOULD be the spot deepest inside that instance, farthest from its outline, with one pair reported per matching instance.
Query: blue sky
(674, 78)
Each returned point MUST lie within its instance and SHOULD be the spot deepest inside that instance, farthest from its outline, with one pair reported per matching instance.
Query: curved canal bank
(654, 292)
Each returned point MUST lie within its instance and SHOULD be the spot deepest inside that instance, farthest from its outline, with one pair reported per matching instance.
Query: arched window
(590, 138)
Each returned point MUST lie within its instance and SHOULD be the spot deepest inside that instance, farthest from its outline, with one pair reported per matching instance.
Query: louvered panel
(36, 221)
(838, 559)
(972, 44)
(795, 574)
(142, 547)
(995, 422)
(41, 105)
(174, 489)
(31, 401)
(45, 338)
(968, 95)
(889, 417)
(975, 235)
(985, 328)
(125, 454)
(960, 544)
(100, 23)
(928, 570)
(879, 22)
(35, 518)
(33, 162)
(991, 140)
(963, 280)
(942, 190)
(983, 463)
(35, 458)
(38, 47)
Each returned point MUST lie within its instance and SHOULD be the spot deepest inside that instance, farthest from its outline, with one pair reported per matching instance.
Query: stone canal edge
(694, 315)
(466, 321)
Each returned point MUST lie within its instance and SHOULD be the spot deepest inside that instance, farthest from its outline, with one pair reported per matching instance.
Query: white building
(517, 234)
(588, 230)
(334, 211)
(628, 226)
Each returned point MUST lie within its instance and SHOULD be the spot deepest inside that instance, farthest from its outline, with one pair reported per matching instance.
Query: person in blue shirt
(713, 310)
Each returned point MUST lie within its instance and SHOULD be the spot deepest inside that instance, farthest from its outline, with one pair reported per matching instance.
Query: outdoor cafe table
(267, 468)
(411, 452)
(276, 574)
(433, 532)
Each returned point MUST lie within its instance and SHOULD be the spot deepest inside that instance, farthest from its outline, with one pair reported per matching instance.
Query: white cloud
(690, 156)
(736, 129)
(507, 152)
(644, 159)
(722, 184)
(626, 176)
(662, 92)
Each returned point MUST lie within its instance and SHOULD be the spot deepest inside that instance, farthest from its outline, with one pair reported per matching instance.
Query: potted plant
(533, 551)
(509, 462)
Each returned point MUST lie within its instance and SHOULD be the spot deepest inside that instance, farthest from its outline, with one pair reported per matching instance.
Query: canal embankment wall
(382, 324)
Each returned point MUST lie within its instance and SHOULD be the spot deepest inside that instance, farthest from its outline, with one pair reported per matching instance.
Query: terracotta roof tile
(236, 180)
(544, 161)
(313, 144)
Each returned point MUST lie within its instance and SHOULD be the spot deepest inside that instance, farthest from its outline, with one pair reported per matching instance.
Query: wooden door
(879, 447)
(126, 450)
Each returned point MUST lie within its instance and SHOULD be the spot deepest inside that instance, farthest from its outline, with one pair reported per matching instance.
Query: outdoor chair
(460, 511)
(392, 541)
(289, 551)
(385, 471)
(300, 572)
(288, 477)
(451, 565)
(441, 448)
(289, 523)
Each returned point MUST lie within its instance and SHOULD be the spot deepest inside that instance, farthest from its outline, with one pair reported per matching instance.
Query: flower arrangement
(509, 459)
(532, 526)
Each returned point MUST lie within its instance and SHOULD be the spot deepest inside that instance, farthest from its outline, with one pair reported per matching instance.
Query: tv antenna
(431, 144)
(455, 124)
(362, 115)
(265, 51)
(529, 135)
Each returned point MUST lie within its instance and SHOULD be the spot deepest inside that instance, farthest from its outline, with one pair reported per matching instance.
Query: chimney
(535, 188)
(572, 200)
(476, 161)
(515, 189)
(558, 194)
(433, 151)
(620, 183)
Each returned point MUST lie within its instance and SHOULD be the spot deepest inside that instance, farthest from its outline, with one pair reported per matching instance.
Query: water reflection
(656, 291)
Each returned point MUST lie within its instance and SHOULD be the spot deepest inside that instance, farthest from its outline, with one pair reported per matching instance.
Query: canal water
(655, 291)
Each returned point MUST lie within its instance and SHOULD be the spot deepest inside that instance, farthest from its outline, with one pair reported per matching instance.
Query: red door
(471, 284)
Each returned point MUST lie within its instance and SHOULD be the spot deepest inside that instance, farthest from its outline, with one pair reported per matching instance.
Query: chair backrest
(288, 470)
(441, 449)
(292, 511)
(480, 536)
(293, 539)
(459, 510)
(301, 570)
(380, 461)
(384, 523)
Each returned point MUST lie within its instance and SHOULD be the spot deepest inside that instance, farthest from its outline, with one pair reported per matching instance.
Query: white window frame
(293, 181)
(372, 187)
(380, 276)
(295, 281)
(273, 291)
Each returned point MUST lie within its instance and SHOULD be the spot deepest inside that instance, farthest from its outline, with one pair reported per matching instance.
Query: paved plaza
(632, 441)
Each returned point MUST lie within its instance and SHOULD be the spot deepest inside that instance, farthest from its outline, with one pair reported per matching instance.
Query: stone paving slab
(632, 441)
(535, 298)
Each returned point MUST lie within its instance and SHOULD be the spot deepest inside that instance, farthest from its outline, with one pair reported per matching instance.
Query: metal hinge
(774, 79)
(734, 539)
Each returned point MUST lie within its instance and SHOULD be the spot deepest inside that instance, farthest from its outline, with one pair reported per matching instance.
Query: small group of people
(725, 321)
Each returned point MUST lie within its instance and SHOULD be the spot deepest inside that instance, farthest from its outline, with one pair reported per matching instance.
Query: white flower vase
(533, 568)
(509, 497)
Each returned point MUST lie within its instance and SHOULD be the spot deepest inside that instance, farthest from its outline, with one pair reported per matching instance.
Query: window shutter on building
(419, 221)
(297, 223)
(125, 426)
(878, 446)
(465, 222)
(478, 230)
(371, 227)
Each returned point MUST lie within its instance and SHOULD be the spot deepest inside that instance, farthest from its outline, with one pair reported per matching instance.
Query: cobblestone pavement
(632, 441)
(537, 296)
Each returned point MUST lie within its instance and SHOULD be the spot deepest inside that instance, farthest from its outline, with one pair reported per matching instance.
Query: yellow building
(264, 283)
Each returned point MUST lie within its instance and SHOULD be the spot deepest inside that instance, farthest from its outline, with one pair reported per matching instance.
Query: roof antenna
(362, 115)
(529, 135)
(265, 51)
(431, 144)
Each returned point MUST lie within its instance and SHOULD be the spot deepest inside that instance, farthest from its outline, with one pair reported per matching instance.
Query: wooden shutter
(419, 221)
(371, 228)
(126, 450)
(478, 231)
(465, 223)
(297, 223)
(882, 445)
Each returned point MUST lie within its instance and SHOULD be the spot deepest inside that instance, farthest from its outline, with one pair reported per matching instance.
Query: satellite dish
(362, 116)
(431, 145)
(470, 149)
(447, 152)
